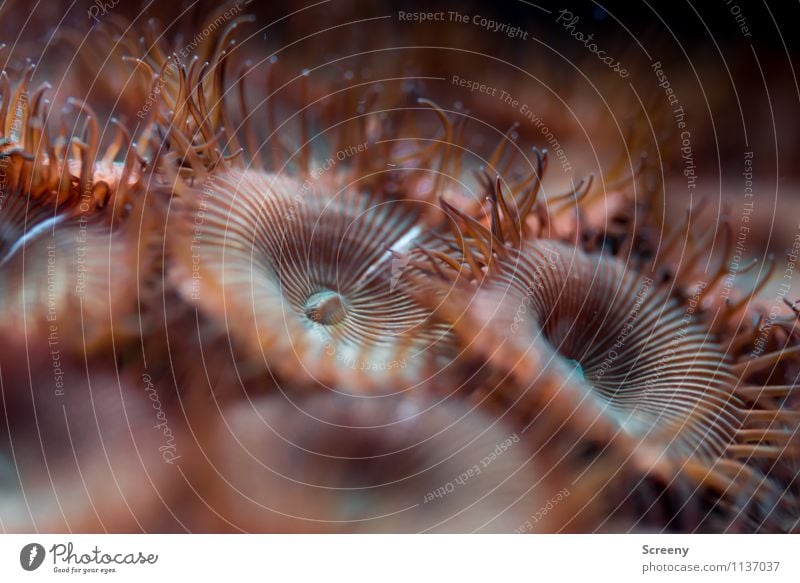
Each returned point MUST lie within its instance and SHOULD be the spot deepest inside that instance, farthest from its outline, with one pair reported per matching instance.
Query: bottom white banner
(403, 558)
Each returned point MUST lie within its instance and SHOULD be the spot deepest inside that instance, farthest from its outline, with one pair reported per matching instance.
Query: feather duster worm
(66, 242)
(301, 270)
(617, 349)
(313, 288)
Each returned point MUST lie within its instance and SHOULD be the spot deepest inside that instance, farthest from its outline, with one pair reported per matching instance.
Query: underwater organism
(626, 347)
(350, 307)
(73, 233)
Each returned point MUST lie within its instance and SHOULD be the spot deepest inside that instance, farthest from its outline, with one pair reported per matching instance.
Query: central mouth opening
(325, 307)
(591, 355)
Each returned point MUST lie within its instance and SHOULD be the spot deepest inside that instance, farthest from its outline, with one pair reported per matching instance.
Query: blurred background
(729, 64)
